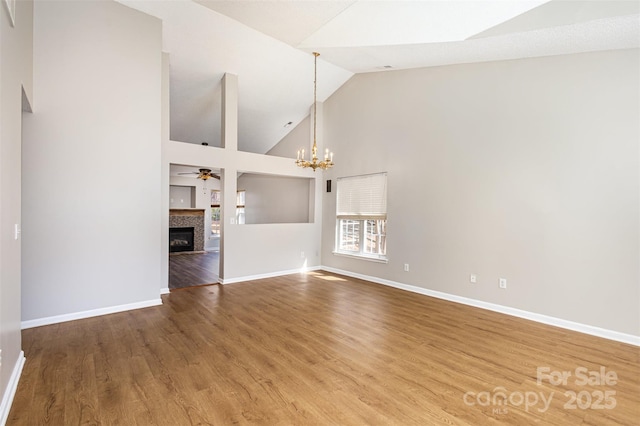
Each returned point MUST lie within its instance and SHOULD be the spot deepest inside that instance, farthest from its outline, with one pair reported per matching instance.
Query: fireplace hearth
(180, 239)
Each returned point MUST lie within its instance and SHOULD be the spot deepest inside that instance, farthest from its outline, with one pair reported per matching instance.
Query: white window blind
(361, 197)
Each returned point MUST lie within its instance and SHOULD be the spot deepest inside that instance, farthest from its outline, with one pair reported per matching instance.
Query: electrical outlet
(503, 283)
(406, 267)
(302, 254)
(473, 278)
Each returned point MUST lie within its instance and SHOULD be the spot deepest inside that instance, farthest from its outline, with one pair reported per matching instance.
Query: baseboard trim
(268, 275)
(12, 387)
(544, 319)
(88, 314)
(165, 290)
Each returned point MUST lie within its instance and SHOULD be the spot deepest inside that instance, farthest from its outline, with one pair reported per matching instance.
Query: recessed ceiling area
(268, 45)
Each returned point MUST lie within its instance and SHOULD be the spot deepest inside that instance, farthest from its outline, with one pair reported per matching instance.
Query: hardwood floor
(318, 349)
(191, 269)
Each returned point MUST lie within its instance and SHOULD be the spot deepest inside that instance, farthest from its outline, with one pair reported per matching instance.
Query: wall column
(228, 176)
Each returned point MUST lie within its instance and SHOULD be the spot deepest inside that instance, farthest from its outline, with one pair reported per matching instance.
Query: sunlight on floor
(325, 277)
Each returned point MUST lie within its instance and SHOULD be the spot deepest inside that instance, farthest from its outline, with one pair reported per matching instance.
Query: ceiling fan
(203, 174)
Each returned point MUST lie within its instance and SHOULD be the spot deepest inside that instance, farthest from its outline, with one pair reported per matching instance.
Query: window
(215, 210)
(361, 216)
(240, 207)
(215, 220)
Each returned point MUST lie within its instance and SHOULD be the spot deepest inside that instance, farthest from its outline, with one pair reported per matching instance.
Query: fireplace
(180, 239)
(189, 218)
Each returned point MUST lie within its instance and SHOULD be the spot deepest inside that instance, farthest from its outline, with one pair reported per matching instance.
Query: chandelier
(328, 157)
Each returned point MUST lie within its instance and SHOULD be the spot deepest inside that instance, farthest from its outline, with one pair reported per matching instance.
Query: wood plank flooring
(191, 269)
(317, 349)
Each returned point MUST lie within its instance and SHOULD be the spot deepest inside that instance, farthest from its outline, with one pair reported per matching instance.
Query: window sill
(362, 257)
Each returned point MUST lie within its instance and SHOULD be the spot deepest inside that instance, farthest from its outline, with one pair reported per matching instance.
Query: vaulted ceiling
(268, 44)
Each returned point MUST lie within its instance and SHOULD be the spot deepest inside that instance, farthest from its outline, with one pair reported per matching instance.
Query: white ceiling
(267, 43)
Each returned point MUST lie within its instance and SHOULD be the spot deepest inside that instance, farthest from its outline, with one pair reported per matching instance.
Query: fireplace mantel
(186, 212)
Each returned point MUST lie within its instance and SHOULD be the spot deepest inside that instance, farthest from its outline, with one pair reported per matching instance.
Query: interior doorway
(194, 209)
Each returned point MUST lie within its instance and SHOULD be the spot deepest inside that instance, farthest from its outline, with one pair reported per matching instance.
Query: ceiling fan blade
(203, 174)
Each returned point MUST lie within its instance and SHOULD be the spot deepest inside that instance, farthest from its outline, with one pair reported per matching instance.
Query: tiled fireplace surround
(179, 218)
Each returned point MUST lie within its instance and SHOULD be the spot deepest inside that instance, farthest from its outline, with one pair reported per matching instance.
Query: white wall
(524, 169)
(92, 149)
(15, 73)
(181, 197)
(275, 199)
